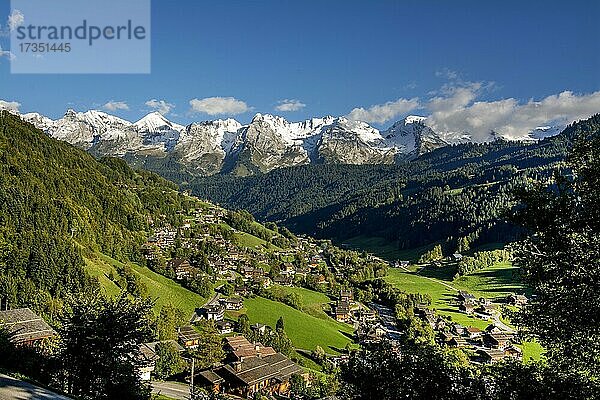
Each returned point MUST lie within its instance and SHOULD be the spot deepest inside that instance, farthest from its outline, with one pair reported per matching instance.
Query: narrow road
(501, 324)
(175, 390)
(15, 389)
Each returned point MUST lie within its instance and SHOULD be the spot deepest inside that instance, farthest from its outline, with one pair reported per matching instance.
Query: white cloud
(7, 54)
(115, 105)
(458, 111)
(219, 105)
(448, 74)
(10, 105)
(160, 105)
(15, 19)
(382, 113)
(288, 105)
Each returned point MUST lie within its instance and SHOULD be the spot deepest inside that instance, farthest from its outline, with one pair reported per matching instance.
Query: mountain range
(266, 143)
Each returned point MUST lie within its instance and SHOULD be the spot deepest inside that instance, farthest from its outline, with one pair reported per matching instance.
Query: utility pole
(192, 380)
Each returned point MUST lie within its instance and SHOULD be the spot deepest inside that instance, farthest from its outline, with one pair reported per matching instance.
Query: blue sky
(331, 57)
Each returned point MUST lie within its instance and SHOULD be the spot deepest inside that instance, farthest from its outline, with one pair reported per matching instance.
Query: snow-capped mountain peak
(98, 118)
(267, 142)
(155, 121)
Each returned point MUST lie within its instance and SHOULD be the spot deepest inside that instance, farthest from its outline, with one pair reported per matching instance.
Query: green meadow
(161, 289)
(306, 331)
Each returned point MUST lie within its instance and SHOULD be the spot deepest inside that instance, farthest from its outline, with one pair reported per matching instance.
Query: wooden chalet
(181, 268)
(209, 380)
(457, 341)
(239, 349)
(258, 328)
(516, 299)
(233, 303)
(224, 327)
(473, 332)
(346, 295)
(467, 307)
(488, 356)
(465, 297)
(497, 340)
(189, 337)
(25, 327)
(458, 329)
(148, 357)
(341, 311)
(269, 374)
(284, 280)
(493, 328)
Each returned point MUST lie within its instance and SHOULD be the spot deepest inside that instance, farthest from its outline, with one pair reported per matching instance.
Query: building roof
(24, 325)
(176, 262)
(214, 308)
(188, 333)
(210, 377)
(149, 349)
(258, 369)
(491, 354)
(224, 324)
(466, 295)
(241, 348)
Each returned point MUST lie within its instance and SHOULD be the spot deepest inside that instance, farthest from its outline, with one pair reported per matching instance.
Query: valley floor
(492, 283)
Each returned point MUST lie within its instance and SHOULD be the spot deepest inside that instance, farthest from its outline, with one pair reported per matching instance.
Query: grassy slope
(312, 302)
(100, 270)
(496, 281)
(162, 289)
(305, 331)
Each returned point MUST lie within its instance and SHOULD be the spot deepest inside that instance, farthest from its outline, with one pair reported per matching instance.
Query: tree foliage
(560, 258)
(99, 348)
(58, 204)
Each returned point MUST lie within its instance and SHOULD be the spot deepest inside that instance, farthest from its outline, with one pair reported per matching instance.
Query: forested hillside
(452, 193)
(56, 201)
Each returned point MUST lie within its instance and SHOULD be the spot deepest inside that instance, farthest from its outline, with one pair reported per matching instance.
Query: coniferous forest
(58, 202)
